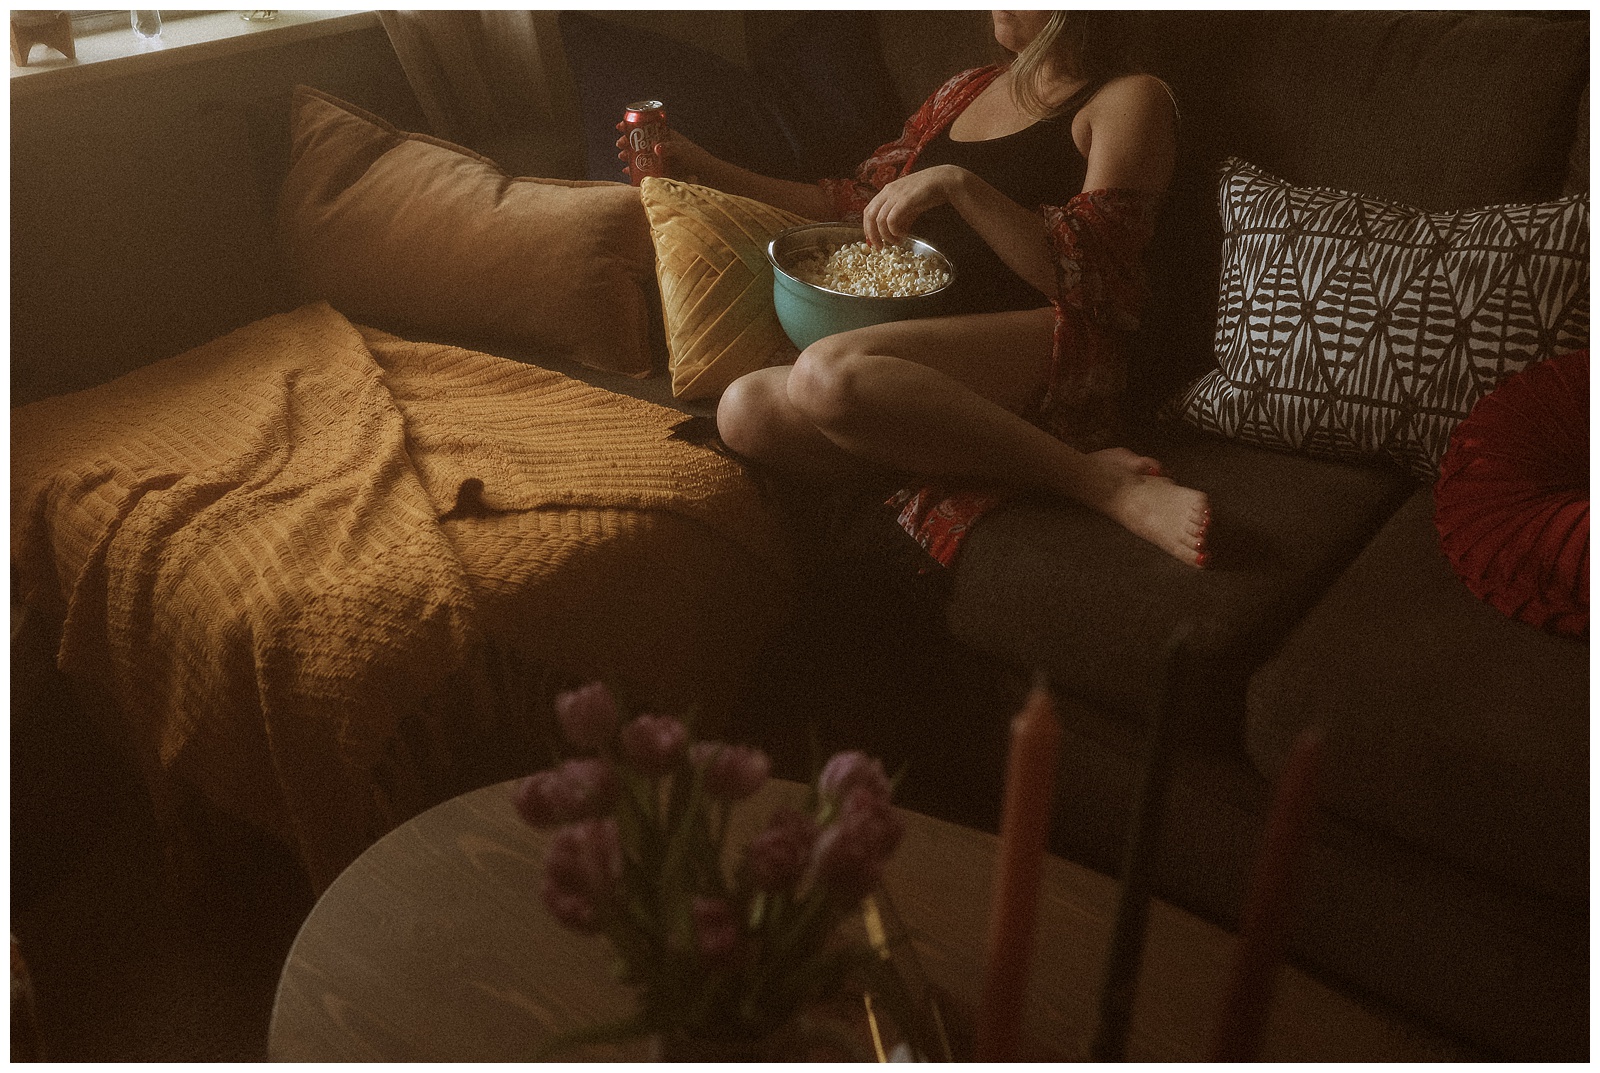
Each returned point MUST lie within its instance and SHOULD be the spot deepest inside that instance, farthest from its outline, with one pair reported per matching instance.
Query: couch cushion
(1057, 586)
(403, 229)
(1442, 110)
(1450, 725)
(924, 49)
(1439, 110)
(1502, 969)
(1577, 178)
(813, 103)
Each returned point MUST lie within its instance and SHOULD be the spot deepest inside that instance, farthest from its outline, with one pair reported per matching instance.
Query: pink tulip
(536, 799)
(591, 785)
(716, 931)
(570, 910)
(851, 851)
(732, 772)
(576, 790)
(777, 857)
(588, 716)
(653, 743)
(849, 771)
(582, 865)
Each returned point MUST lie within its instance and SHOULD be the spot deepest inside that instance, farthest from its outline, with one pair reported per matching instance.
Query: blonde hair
(1089, 45)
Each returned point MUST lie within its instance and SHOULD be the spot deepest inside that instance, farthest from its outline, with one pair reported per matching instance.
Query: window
(94, 22)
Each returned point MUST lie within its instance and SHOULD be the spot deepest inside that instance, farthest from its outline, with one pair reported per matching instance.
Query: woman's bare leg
(756, 419)
(938, 397)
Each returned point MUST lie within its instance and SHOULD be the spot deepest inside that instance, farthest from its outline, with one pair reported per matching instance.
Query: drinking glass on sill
(147, 28)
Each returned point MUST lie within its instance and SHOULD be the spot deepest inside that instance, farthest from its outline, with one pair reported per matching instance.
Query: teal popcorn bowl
(808, 312)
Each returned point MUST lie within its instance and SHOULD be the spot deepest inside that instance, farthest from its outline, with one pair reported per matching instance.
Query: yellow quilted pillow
(716, 285)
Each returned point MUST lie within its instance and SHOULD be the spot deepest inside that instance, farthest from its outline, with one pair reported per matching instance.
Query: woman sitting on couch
(1039, 178)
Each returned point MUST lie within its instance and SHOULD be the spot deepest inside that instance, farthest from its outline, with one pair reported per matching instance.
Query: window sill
(115, 53)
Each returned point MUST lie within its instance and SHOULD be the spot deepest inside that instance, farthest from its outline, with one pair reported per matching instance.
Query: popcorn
(858, 269)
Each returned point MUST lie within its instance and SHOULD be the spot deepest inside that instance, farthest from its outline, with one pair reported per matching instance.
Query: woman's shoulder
(1143, 94)
(1128, 132)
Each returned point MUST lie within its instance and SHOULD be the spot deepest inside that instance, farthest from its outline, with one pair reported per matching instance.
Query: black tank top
(1038, 165)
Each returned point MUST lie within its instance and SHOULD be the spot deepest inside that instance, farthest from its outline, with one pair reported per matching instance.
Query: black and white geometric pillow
(1352, 328)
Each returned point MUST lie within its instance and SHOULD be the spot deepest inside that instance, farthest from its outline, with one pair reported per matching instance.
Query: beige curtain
(495, 82)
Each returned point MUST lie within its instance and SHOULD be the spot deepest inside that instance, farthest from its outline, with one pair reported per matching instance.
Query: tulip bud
(583, 864)
(732, 772)
(576, 790)
(848, 771)
(777, 857)
(570, 909)
(591, 786)
(851, 852)
(588, 716)
(652, 744)
(535, 799)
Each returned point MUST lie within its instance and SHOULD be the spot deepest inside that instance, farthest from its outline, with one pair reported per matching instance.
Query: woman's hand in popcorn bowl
(890, 214)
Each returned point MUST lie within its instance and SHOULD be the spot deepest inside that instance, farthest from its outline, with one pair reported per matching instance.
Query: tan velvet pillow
(716, 284)
(403, 229)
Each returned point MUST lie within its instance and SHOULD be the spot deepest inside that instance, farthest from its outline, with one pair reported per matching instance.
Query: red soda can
(644, 124)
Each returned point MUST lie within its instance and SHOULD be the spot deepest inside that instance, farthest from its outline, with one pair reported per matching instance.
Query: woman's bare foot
(1155, 508)
(1173, 518)
(1123, 458)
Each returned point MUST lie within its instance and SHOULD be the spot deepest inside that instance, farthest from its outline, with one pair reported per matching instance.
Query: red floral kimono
(1097, 238)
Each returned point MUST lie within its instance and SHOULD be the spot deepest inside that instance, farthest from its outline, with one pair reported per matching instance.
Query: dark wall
(141, 204)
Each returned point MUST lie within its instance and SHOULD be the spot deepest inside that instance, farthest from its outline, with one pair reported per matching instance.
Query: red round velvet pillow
(1512, 500)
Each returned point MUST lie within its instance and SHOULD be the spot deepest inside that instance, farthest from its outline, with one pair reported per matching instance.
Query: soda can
(644, 123)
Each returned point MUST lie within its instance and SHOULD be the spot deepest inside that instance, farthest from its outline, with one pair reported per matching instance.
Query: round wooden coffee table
(434, 946)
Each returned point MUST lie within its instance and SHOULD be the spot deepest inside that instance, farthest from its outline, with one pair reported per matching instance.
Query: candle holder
(1121, 978)
(908, 1017)
(146, 26)
(52, 29)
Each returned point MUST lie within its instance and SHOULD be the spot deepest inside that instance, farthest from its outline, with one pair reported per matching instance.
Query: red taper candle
(1269, 905)
(1024, 829)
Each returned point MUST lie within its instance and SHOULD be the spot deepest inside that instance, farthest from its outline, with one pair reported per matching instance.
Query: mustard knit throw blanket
(244, 545)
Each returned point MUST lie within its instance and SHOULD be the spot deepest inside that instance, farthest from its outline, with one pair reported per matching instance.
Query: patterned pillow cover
(1352, 328)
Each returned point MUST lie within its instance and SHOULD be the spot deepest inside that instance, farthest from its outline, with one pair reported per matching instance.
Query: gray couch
(1448, 878)
(1449, 873)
